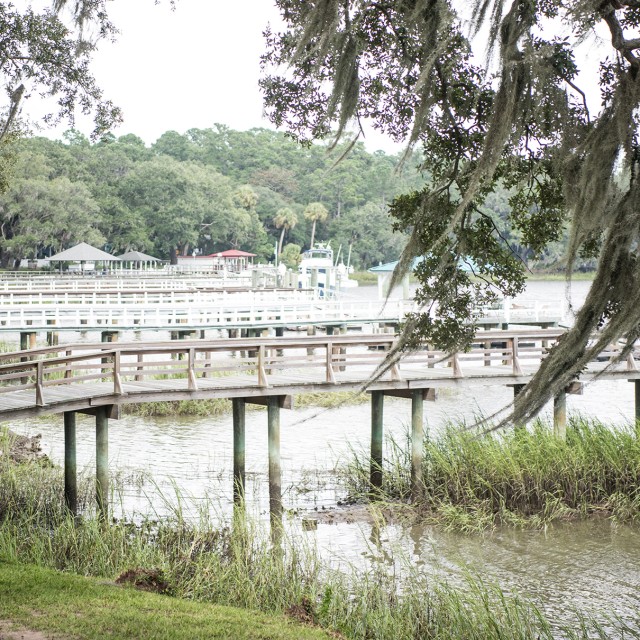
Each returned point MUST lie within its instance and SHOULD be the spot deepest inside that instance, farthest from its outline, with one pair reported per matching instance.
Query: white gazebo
(139, 259)
(83, 253)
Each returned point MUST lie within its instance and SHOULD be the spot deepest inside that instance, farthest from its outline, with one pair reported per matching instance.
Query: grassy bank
(48, 601)
(237, 565)
(520, 478)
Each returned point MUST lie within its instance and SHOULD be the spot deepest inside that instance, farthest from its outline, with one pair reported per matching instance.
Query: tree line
(205, 190)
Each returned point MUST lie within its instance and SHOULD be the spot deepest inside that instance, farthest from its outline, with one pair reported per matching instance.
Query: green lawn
(70, 606)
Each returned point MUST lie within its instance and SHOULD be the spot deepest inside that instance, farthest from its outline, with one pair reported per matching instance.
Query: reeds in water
(473, 480)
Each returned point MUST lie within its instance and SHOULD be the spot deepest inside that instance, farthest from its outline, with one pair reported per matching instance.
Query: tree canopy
(513, 114)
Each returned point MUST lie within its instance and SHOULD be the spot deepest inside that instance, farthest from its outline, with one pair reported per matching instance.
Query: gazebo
(141, 260)
(234, 259)
(83, 253)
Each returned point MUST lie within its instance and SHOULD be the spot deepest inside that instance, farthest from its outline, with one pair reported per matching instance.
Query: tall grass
(473, 481)
(237, 564)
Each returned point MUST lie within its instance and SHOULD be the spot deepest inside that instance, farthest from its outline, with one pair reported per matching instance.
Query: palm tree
(284, 219)
(315, 212)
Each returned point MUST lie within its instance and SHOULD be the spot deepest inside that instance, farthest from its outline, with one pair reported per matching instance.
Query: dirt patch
(9, 631)
(24, 448)
(144, 579)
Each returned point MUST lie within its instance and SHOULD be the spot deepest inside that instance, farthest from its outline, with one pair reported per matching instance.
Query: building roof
(137, 256)
(232, 253)
(83, 252)
(390, 266)
(466, 264)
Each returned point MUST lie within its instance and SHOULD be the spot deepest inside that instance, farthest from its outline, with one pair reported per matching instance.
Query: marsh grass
(473, 481)
(236, 563)
(222, 406)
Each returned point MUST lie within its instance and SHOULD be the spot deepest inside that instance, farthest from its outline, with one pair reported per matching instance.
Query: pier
(99, 378)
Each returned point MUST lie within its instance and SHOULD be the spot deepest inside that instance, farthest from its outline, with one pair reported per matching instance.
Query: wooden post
(70, 465)
(417, 435)
(239, 406)
(52, 336)
(375, 468)
(27, 341)
(311, 331)
(560, 415)
(275, 471)
(637, 398)
(102, 463)
(279, 334)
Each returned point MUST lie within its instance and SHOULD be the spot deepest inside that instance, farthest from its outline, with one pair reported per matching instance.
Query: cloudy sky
(192, 67)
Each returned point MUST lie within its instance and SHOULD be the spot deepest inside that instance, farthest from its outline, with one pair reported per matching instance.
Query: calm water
(592, 566)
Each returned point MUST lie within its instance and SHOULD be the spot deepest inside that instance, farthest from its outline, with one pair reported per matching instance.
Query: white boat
(317, 271)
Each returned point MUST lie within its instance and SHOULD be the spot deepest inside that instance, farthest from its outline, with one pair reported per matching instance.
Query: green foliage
(173, 197)
(95, 609)
(517, 120)
(291, 256)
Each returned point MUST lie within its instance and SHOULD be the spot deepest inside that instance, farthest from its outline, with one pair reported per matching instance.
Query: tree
(411, 69)
(40, 54)
(177, 200)
(290, 256)
(316, 212)
(284, 219)
(39, 211)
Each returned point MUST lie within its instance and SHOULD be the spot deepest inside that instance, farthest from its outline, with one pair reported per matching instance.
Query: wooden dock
(98, 378)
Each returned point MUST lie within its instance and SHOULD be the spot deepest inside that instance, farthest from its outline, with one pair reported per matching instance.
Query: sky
(198, 65)
(189, 68)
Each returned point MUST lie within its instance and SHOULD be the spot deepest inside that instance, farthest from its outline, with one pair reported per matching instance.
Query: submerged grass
(474, 481)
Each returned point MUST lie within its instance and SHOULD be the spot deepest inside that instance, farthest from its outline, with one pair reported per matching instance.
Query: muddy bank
(22, 449)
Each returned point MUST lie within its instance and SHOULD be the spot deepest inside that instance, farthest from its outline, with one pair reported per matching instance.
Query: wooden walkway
(99, 378)
(85, 376)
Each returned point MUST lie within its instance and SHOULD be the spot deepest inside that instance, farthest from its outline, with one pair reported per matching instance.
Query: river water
(590, 566)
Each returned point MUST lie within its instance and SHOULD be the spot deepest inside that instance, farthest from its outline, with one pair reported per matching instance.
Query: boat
(317, 271)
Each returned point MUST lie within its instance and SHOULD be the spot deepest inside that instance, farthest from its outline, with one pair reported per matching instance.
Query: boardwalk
(83, 376)
(99, 378)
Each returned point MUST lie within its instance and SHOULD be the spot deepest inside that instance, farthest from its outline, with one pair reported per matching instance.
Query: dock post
(52, 336)
(102, 463)
(417, 436)
(275, 471)
(70, 464)
(27, 341)
(108, 336)
(375, 468)
(279, 334)
(311, 331)
(560, 415)
(239, 407)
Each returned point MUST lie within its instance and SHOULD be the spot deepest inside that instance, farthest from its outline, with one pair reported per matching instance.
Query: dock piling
(239, 406)
(275, 470)
(375, 469)
(560, 415)
(70, 464)
(102, 463)
(417, 436)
